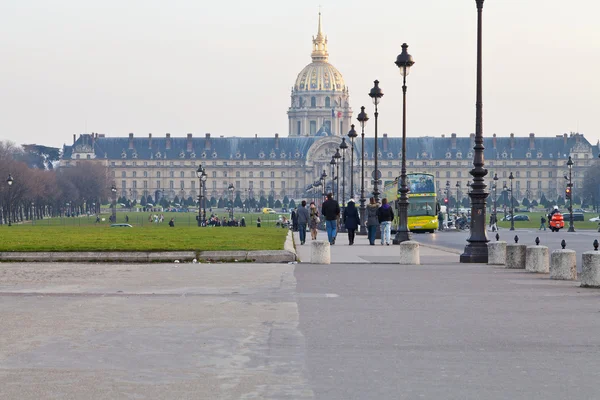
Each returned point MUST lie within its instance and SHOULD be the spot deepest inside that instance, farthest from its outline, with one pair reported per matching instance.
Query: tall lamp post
(203, 179)
(333, 163)
(199, 173)
(495, 187)
(448, 200)
(231, 188)
(476, 250)
(570, 191)
(362, 119)
(9, 181)
(323, 179)
(352, 135)
(457, 196)
(512, 207)
(337, 157)
(113, 189)
(343, 148)
(404, 61)
(376, 94)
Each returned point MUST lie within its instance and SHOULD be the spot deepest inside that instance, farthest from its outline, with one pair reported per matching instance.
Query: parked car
(268, 211)
(517, 218)
(578, 210)
(595, 219)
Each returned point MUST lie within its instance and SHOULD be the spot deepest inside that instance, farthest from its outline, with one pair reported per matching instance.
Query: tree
(560, 201)
(150, 200)
(292, 204)
(238, 201)
(143, 201)
(590, 192)
(544, 201)
(40, 157)
(526, 202)
(190, 201)
(466, 203)
(220, 203)
(262, 202)
(577, 200)
(271, 201)
(534, 203)
(176, 200)
(286, 201)
(164, 202)
(277, 204)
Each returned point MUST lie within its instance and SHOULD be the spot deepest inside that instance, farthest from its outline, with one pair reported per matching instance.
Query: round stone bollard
(320, 252)
(409, 253)
(563, 265)
(516, 256)
(496, 253)
(538, 259)
(590, 269)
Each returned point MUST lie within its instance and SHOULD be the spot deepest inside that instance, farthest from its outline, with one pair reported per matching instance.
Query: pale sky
(227, 67)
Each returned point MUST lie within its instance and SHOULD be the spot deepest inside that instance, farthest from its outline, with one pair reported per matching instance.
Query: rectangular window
(145, 184)
(214, 174)
(171, 184)
(237, 174)
(459, 174)
(214, 185)
(251, 174)
(171, 174)
(123, 174)
(145, 163)
(539, 174)
(528, 174)
(193, 184)
(224, 163)
(123, 184)
(447, 174)
(283, 184)
(134, 174)
(135, 184)
(250, 185)
(549, 174)
(540, 185)
(145, 174)
(181, 174)
(298, 126)
(437, 174)
(297, 184)
(262, 184)
(272, 174)
(272, 184)
(158, 184)
(224, 174)
(181, 185)
(313, 127)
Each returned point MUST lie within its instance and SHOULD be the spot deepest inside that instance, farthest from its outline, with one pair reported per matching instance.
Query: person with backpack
(330, 210)
(385, 214)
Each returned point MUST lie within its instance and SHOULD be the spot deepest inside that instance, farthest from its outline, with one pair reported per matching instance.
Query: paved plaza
(361, 328)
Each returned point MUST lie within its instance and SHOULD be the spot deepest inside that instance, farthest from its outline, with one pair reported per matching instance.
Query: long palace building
(319, 116)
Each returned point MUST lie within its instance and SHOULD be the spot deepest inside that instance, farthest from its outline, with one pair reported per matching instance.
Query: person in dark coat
(331, 211)
(351, 220)
(294, 221)
(172, 223)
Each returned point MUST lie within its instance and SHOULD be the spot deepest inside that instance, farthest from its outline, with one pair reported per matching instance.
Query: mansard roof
(279, 148)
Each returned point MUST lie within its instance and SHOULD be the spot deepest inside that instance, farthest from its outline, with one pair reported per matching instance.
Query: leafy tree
(466, 203)
(150, 200)
(220, 203)
(176, 200)
(277, 204)
(544, 201)
(190, 201)
(40, 157)
(577, 200)
(292, 203)
(286, 201)
(238, 201)
(560, 201)
(534, 203)
(271, 201)
(262, 202)
(143, 202)
(526, 202)
(164, 202)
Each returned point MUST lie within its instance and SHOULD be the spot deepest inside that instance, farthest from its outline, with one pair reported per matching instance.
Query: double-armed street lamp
(343, 148)
(512, 206)
(476, 251)
(569, 194)
(201, 174)
(362, 119)
(404, 61)
(337, 157)
(323, 179)
(352, 135)
(113, 189)
(495, 187)
(9, 181)
(376, 94)
(231, 188)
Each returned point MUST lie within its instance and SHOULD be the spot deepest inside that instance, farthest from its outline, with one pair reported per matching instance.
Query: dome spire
(319, 52)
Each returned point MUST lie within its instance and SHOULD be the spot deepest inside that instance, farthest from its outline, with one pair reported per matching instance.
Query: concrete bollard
(320, 252)
(563, 265)
(496, 253)
(409, 253)
(590, 269)
(516, 256)
(537, 259)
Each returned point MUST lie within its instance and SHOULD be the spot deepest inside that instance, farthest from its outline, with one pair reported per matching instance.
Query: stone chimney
(189, 143)
(131, 141)
(168, 142)
(385, 142)
(577, 138)
(494, 141)
(512, 141)
(443, 136)
(277, 141)
(207, 144)
(93, 140)
(531, 141)
(472, 137)
(149, 140)
(453, 141)
(565, 139)
(74, 138)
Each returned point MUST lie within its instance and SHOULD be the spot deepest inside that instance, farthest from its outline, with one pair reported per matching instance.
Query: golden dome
(319, 75)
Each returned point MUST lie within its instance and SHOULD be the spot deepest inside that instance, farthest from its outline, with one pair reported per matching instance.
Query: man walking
(386, 216)
(330, 210)
(302, 218)
(543, 223)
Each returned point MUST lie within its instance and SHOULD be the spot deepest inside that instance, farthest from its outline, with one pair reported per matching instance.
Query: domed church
(320, 100)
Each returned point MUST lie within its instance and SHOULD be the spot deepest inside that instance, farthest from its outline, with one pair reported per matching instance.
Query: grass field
(83, 234)
(534, 221)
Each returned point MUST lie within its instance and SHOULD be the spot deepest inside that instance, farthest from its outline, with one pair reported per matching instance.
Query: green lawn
(82, 234)
(534, 221)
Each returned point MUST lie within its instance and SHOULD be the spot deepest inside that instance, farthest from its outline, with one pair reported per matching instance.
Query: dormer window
(459, 155)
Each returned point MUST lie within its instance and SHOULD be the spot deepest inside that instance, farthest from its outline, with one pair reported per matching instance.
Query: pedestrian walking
(440, 221)
(302, 220)
(493, 222)
(172, 223)
(542, 223)
(385, 214)
(351, 220)
(331, 212)
(294, 220)
(372, 220)
(313, 222)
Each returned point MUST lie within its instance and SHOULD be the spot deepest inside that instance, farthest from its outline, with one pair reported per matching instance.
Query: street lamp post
(404, 61)
(199, 173)
(495, 198)
(343, 147)
(362, 119)
(231, 188)
(476, 250)
(512, 207)
(333, 163)
(457, 196)
(570, 186)
(203, 179)
(113, 189)
(9, 181)
(376, 94)
(352, 135)
(337, 157)
(323, 179)
(448, 200)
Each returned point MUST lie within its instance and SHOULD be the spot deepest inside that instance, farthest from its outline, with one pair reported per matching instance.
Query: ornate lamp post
(448, 200)
(376, 94)
(337, 157)
(343, 148)
(352, 135)
(476, 251)
(512, 207)
(333, 163)
(362, 119)
(113, 189)
(231, 188)
(323, 179)
(457, 196)
(570, 191)
(404, 61)
(203, 179)
(9, 181)
(495, 198)
(199, 173)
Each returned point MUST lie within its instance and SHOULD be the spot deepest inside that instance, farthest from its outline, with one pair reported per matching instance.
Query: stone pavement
(363, 253)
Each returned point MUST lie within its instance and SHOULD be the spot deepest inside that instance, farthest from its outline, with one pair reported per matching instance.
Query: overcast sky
(227, 67)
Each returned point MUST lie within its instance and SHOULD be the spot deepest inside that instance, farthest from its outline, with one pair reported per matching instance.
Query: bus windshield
(422, 205)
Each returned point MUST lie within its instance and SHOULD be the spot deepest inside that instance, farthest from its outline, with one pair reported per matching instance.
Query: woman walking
(314, 220)
(372, 220)
(351, 220)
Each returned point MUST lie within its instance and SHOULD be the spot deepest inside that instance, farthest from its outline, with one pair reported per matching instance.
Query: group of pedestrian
(377, 216)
